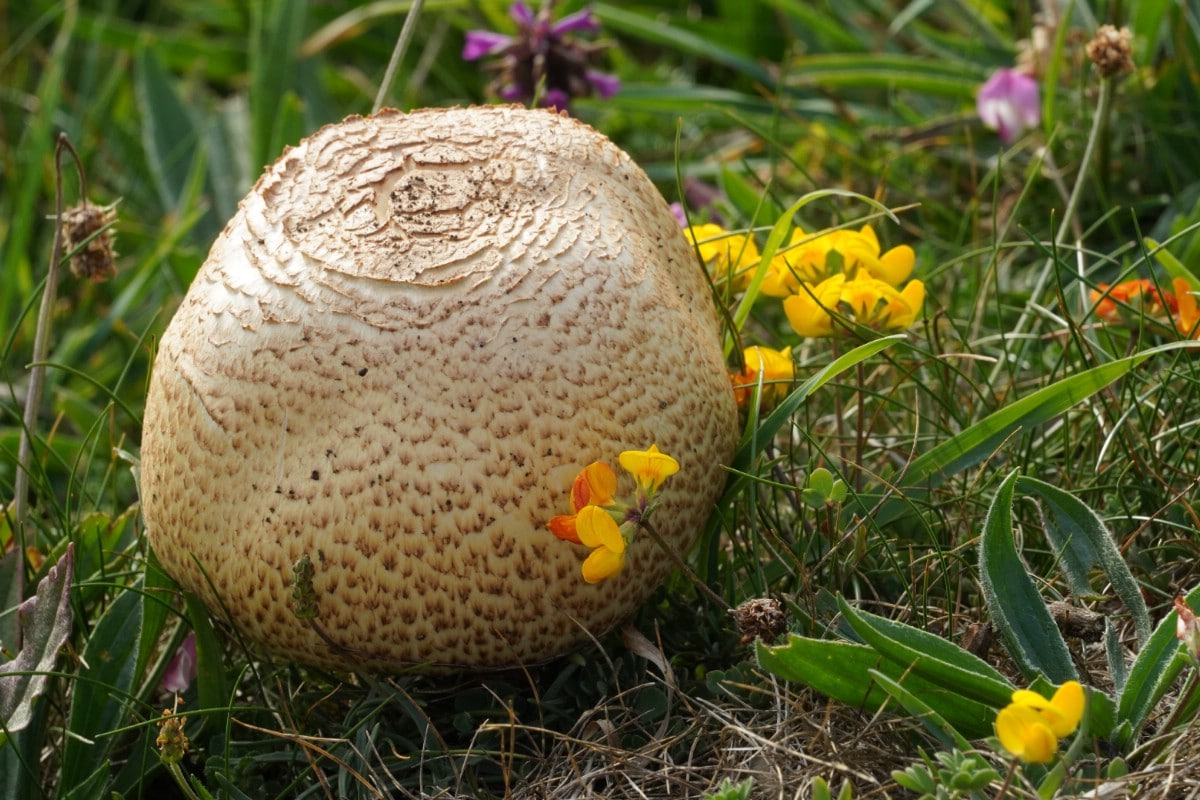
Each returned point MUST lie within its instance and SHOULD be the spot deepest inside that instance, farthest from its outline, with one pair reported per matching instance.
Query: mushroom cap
(415, 332)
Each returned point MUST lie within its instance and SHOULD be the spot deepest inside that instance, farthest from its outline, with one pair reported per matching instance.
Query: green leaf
(45, 623)
(170, 135)
(156, 606)
(651, 29)
(930, 656)
(886, 71)
(278, 29)
(1154, 670)
(1082, 541)
(103, 688)
(211, 684)
(1017, 608)
(841, 671)
(980, 440)
(1174, 267)
(931, 720)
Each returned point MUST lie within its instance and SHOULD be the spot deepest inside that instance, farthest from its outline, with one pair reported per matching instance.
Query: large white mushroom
(414, 333)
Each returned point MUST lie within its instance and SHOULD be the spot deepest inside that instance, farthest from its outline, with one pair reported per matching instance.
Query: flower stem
(406, 33)
(1098, 123)
(649, 528)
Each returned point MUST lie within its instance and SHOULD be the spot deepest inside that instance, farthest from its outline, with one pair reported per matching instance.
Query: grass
(174, 108)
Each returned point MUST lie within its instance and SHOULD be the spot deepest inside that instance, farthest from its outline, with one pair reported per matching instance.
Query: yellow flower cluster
(831, 282)
(1030, 726)
(776, 369)
(601, 522)
(837, 281)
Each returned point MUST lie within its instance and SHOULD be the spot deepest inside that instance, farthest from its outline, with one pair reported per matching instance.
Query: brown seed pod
(414, 333)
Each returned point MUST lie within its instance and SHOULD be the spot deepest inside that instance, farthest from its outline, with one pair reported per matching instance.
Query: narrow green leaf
(1174, 267)
(103, 688)
(1154, 670)
(211, 683)
(45, 623)
(930, 656)
(917, 708)
(1082, 541)
(278, 26)
(651, 29)
(169, 132)
(885, 70)
(980, 440)
(156, 606)
(841, 671)
(1017, 608)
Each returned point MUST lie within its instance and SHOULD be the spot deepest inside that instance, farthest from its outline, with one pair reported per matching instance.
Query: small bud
(1111, 51)
(88, 237)
(761, 618)
(1187, 628)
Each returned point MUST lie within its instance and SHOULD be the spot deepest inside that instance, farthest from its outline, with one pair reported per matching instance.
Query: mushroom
(413, 334)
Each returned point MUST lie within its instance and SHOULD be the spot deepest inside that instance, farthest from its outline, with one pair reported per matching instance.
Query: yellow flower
(806, 259)
(865, 302)
(1025, 734)
(595, 485)
(597, 529)
(648, 467)
(777, 370)
(1031, 725)
(730, 257)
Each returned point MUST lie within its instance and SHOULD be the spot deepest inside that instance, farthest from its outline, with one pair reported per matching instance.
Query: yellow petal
(896, 265)
(1067, 706)
(597, 528)
(1024, 733)
(648, 467)
(602, 563)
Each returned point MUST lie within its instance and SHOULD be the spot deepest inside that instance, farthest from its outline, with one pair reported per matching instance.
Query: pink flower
(1009, 103)
(543, 55)
(182, 669)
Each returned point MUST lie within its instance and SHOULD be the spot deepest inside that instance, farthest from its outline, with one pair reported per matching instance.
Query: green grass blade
(981, 439)
(99, 704)
(885, 71)
(1017, 608)
(278, 30)
(1082, 541)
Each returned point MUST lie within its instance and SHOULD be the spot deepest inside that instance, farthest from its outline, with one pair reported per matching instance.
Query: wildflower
(1009, 103)
(1031, 725)
(777, 371)
(598, 530)
(605, 523)
(1188, 321)
(182, 669)
(595, 485)
(861, 302)
(542, 61)
(1142, 294)
(649, 468)
(1111, 50)
(811, 259)
(729, 256)
(172, 742)
(1187, 628)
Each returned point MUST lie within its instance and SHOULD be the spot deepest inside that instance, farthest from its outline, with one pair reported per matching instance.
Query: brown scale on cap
(415, 332)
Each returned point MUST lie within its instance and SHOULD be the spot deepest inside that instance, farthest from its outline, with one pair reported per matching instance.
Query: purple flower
(542, 59)
(182, 669)
(1009, 103)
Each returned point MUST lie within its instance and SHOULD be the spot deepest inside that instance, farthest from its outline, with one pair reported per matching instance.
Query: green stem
(649, 528)
(1072, 207)
(406, 32)
(181, 781)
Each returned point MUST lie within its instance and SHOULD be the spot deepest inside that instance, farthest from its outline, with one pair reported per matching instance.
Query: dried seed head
(88, 236)
(1111, 51)
(760, 618)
